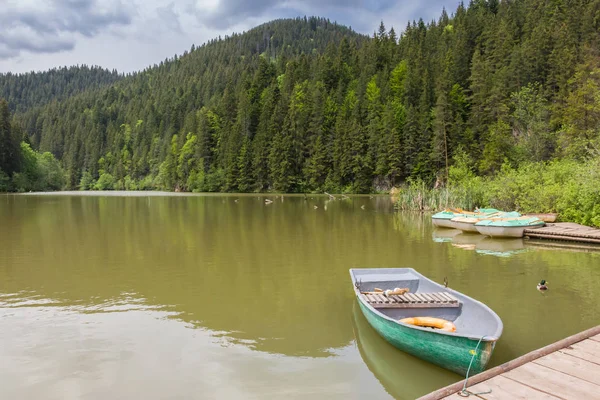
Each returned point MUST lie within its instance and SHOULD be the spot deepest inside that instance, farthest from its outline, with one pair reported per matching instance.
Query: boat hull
(442, 222)
(451, 352)
(468, 227)
(546, 217)
(502, 231)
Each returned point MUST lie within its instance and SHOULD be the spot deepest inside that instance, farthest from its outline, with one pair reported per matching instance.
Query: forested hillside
(307, 105)
(24, 91)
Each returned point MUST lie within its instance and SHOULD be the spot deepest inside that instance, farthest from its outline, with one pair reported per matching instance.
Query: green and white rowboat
(477, 326)
(443, 219)
(467, 223)
(507, 227)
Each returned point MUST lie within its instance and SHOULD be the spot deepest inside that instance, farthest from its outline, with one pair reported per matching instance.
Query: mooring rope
(464, 392)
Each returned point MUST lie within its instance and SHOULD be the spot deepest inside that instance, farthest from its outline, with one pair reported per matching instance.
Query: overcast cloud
(130, 35)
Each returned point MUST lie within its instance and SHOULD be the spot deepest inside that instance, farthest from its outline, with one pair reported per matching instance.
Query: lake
(167, 296)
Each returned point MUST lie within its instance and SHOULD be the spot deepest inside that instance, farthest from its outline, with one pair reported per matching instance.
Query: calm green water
(179, 297)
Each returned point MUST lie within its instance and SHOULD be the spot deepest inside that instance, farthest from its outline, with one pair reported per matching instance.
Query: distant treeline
(32, 89)
(308, 105)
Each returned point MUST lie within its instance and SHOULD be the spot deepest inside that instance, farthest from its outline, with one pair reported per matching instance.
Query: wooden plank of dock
(565, 231)
(567, 369)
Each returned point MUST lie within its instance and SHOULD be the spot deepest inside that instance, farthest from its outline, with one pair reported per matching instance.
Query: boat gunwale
(493, 338)
(509, 226)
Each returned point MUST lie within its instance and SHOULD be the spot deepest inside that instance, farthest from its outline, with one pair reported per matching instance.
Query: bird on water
(543, 285)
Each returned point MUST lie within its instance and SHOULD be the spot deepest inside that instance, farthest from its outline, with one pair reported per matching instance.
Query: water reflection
(238, 290)
(484, 245)
(267, 276)
(405, 377)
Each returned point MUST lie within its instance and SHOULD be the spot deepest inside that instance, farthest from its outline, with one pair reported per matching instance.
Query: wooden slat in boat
(439, 298)
(412, 300)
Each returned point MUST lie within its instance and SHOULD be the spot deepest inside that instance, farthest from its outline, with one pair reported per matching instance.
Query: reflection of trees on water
(275, 277)
(271, 277)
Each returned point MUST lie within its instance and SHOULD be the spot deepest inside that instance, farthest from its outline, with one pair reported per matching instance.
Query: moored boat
(469, 331)
(508, 227)
(546, 217)
(467, 223)
(443, 219)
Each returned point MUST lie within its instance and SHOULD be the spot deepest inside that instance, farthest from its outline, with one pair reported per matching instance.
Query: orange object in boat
(430, 322)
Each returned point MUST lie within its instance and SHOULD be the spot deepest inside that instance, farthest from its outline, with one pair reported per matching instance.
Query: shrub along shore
(569, 188)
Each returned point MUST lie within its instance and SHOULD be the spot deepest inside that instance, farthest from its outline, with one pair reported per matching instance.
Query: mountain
(32, 89)
(308, 105)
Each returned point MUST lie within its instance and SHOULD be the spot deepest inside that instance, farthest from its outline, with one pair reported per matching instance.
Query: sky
(129, 35)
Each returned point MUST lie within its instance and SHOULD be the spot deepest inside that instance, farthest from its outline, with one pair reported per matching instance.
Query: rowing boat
(508, 227)
(477, 326)
(546, 217)
(467, 223)
(443, 219)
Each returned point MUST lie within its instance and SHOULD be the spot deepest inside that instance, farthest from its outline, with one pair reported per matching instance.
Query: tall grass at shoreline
(566, 187)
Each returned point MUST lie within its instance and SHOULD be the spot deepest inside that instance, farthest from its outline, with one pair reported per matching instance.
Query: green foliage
(581, 130)
(308, 105)
(105, 182)
(566, 187)
(498, 149)
(38, 172)
(87, 181)
(531, 124)
(31, 89)
(5, 185)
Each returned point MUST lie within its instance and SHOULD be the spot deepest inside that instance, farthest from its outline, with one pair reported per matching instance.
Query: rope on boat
(464, 392)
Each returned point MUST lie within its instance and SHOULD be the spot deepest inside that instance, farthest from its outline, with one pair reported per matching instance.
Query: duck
(543, 285)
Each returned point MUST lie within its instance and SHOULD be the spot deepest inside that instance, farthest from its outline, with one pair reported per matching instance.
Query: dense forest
(308, 105)
(25, 91)
(23, 169)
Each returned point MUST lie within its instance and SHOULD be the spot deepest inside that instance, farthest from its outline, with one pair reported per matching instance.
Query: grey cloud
(169, 17)
(6, 53)
(52, 25)
(229, 12)
(50, 45)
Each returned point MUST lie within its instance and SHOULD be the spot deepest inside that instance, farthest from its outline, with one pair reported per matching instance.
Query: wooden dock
(567, 369)
(565, 231)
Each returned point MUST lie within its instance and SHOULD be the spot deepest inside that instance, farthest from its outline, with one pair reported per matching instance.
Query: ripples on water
(223, 296)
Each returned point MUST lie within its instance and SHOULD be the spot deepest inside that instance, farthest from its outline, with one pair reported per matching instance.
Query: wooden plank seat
(411, 300)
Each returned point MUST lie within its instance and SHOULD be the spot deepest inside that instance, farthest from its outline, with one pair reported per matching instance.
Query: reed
(418, 196)
(566, 187)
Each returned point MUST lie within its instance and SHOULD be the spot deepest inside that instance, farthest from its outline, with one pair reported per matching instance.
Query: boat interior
(470, 317)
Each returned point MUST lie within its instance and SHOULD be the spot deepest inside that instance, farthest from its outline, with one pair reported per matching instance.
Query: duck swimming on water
(543, 285)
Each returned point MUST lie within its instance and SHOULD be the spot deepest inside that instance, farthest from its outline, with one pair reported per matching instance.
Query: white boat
(467, 223)
(443, 218)
(508, 227)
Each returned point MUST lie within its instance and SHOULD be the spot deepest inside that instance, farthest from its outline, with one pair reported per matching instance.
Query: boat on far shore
(546, 217)
(467, 223)
(508, 227)
(443, 219)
